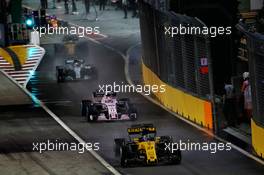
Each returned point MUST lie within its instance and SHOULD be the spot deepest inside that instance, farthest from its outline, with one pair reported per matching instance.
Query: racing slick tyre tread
(71, 74)
(88, 111)
(92, 117)
(95, 118)
(107, 116)
(119, 143)
(85, 107)
(59, 76)
(124, 162)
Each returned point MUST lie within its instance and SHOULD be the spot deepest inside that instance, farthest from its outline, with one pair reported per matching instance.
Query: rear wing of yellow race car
(140, 129)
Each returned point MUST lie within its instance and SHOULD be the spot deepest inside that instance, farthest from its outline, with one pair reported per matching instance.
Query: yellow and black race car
(144, 148)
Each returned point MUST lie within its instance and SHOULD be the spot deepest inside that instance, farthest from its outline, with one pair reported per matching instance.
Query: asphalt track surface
(65, 101)
(21, 127)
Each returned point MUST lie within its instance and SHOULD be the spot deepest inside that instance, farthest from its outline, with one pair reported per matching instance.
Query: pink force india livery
(106, 107)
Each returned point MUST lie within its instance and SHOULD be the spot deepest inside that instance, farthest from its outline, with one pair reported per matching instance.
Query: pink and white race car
(106, 107)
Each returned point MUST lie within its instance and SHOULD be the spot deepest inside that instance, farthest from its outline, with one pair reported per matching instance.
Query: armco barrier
(186, 105)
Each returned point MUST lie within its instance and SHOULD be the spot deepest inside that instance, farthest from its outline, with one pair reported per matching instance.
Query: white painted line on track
(36, 64)
(79, 139)
(59, 121)
(63, 125)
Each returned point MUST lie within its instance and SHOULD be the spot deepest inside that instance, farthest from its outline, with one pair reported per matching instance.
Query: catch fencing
(255, 47)
(182, 60)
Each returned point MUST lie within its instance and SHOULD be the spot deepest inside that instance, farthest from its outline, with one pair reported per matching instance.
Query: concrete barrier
(186, 105)
(257, 138)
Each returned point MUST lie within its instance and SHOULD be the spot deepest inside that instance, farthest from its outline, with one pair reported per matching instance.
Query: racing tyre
(85, 107)
(107, 116)
(71, 75)
(59, 74)
(133, 115)
(124, 162)
(89, 117)
(176, 158)
(119, 143)
(119, 116)
(59, 79)
(92, 118)
(91, 113)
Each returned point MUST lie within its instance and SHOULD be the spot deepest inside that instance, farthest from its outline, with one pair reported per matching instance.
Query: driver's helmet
(87, 66)
(245, 75)
(145, 138)
(107, 98)
(145, 135)
(76, 64)
(53, 17)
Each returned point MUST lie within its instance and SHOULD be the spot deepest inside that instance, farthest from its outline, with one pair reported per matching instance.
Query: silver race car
(75, 69)
(106, 107)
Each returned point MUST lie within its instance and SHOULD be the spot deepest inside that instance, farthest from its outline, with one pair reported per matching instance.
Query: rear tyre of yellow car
(177, 157)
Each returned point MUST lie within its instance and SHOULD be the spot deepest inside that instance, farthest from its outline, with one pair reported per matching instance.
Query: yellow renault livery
(143, 147)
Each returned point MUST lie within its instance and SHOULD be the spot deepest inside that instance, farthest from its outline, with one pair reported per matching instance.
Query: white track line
(42, 50)
(79, 139)
(63, 125)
